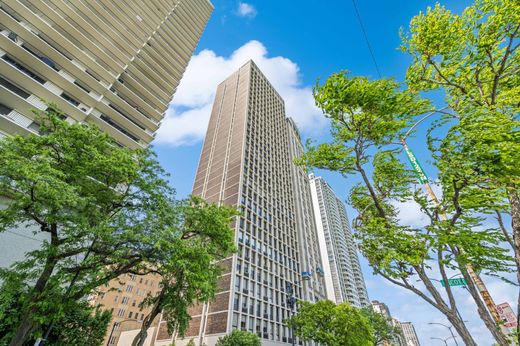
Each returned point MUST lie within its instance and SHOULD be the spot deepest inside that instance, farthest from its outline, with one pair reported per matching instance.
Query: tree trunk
(450, 313)
(27, 324)
(514, 201)
(143, 333)
(484, 314)
(461, 328)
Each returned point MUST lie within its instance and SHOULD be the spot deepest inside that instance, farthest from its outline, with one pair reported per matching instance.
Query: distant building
(122, 297)
(410, 335)
(381, 308)
(344, 278)
(400, 340)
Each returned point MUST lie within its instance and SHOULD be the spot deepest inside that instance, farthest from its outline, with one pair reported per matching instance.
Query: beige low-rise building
(123, 297)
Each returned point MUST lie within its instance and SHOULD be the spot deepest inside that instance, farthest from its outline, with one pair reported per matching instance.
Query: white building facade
(112, 63)
(343, 275)
(410, 335)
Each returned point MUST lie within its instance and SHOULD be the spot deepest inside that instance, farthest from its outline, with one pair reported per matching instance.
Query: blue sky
(295, 43)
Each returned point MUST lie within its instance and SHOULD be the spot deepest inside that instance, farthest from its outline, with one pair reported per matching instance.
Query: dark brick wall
(193, 327)
(221, 302)
(217, 323)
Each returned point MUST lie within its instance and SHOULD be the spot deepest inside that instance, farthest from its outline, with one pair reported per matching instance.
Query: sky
(295, 44)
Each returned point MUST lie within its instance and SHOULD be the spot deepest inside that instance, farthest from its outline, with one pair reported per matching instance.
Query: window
(129, 288)
(23, 69)
(126, 116)
(116, 299)
(125, 300)
(14, 88)
(130, 314)
(4, 110)
(70, 99)
(82, 86)
(121, 312)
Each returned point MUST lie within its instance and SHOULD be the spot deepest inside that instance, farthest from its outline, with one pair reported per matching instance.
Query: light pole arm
(421, 120)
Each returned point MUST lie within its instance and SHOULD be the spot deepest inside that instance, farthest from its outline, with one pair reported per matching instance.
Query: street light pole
(444, 340)
(451, 331)
(484, 293)
(291, 301)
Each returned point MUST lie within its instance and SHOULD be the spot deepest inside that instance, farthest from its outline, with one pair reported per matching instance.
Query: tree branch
(406, 285)
(440, 259)
(503, 229)
(502, 65)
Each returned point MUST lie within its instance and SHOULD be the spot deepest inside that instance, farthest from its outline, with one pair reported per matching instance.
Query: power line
(366, 38)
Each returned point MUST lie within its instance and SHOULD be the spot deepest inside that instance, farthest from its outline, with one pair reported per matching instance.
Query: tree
(331, 325)
(385, 332)
(190, 274)
(103, 207)
(239, 338)
(473, 59)
(82, 324)
(368, 120)
(79, 324)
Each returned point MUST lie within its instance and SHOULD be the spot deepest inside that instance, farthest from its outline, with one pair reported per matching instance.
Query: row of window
(264, 329)
(131, 314)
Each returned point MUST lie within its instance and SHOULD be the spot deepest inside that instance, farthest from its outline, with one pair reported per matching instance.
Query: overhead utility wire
(366, 37)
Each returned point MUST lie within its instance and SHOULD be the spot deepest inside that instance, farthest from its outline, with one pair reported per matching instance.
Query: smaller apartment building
(123, 298)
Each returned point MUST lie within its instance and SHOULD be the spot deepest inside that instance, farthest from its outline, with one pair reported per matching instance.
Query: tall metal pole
(451, 331)
(292, 304)
(484, 293)
(444, 340)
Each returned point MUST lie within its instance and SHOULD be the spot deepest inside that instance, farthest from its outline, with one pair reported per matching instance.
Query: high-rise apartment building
(112, 63)
(310, 255)
(410, 335)
(246, 161)
(344, 278)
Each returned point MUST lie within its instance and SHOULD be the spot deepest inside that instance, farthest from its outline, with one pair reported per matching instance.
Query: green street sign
(416, 166)
(455, 282)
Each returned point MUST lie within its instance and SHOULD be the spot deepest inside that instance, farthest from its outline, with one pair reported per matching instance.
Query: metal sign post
(421, 175)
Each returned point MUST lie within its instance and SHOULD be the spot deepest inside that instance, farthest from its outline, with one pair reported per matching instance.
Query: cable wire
(366, 37)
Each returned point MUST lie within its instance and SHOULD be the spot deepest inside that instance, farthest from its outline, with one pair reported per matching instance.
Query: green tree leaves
(385, 332)
(239, 338)
(189, 274)
(107, 211)
(332, 325)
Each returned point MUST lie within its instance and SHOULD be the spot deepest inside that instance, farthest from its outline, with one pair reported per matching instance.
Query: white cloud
(246, 10)
(410, 214)
(188, 115)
